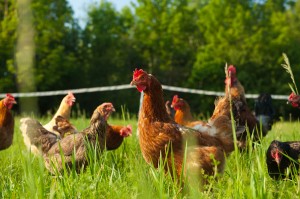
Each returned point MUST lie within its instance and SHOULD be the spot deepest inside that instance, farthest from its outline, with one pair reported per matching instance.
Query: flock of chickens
(58, 141)
(168, 133)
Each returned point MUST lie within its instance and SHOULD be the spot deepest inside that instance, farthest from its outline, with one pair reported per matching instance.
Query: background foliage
(182, 42)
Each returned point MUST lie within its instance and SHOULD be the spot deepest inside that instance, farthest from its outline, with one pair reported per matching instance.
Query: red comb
(292, 95)
(175, 99)
(9, 96)
(137, 73)
(232, 69)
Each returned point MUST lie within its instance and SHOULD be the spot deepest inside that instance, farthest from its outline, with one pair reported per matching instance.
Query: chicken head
(140, 79)
(9, 101)
(70, 99)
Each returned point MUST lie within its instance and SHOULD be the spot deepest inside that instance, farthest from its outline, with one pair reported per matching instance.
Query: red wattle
(141, 88)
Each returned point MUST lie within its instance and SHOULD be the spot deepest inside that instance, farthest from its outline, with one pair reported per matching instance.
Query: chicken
(64, 110)
(72, 150)
(160, 136)
(264, 110)
(6, 121)
(283, 155)
(183, 115)
(235, 92)
(294, 100)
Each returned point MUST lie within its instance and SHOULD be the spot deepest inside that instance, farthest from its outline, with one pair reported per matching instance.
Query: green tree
(57, 42)
(109, 52)
(249, 34)
(8, 35)
(58, 62)
(165, 32)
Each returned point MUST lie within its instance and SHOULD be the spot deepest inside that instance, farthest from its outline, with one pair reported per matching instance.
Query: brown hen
(183, 115)
(160, 136)
(6, 121)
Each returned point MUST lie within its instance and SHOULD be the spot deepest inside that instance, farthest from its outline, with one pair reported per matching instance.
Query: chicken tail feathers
(36, 138)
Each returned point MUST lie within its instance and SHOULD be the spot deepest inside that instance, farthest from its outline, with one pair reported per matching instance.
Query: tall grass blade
(288, 69)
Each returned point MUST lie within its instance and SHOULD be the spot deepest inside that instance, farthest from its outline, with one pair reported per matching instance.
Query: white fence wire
(127, 86)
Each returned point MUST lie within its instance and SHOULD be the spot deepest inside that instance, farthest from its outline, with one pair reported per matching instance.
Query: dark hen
(280, 156)
(264, 110)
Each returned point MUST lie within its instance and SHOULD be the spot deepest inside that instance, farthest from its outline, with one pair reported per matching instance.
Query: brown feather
(113, 137)
(6, 126)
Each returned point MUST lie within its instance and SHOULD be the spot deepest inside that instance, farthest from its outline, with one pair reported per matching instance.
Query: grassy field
(123, 173)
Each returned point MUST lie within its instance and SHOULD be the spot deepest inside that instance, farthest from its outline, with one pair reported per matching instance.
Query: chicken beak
(14, 102)
(113, 109)
(133, 83)
(277, 160)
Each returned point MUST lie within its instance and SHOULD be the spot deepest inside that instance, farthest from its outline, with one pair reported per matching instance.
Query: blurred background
(48, 45)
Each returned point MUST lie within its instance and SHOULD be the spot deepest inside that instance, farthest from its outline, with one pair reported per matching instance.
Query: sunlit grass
(123, 173)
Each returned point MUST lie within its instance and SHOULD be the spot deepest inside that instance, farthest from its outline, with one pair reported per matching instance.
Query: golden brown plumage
(115, 135)
(159, 135)
(183, 115)
(6, 122)
(220, 119)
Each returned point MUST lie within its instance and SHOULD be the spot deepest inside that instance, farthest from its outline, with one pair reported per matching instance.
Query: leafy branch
(288, 69)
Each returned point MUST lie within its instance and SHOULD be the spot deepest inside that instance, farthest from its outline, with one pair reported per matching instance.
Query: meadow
(123, 173)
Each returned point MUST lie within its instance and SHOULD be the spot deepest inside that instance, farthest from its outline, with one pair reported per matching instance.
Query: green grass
(123, 173)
